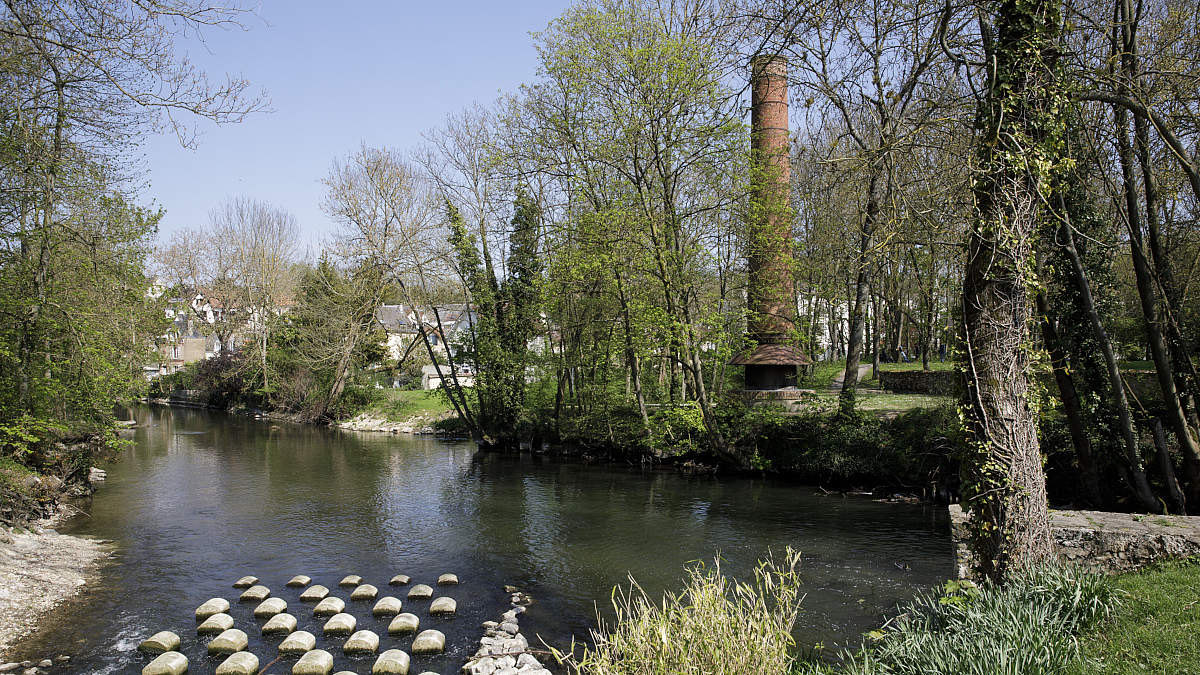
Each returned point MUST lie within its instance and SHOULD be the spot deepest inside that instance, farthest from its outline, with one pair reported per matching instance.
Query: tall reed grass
(714, 626)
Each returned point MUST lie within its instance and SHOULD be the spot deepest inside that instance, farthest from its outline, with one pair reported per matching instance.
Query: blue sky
(339, 74)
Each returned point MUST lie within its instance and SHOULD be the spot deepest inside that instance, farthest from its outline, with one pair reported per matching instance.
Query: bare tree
(390, 218)
(260, 241)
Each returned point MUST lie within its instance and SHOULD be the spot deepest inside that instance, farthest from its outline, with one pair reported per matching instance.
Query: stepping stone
(350, 580)
(255, 594)
(404, 623)
(391, 662)
(387, 606)
(509, 627)
(340, 624)
(217, 623)
(241, 663)
(429, 642)
(299, 581)
(280, 623)
(316, 662)
(211, 607)
(420, 592)
(164, 641)
(245, 582)
(362, 642)
(229, 642)
(298, 643)
(169, 663)
(329, 607)
(443, 605)
(527, 662)
(400, 580)
(447, 580)
(314, 593)
(270, 607)
(364, 592)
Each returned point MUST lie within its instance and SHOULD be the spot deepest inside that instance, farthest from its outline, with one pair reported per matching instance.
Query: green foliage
(19, 437)
(677, 431)
(915, 449)
(1030, 625)
(714, 625)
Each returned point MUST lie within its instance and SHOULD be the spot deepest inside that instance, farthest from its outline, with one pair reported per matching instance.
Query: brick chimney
(770, 299)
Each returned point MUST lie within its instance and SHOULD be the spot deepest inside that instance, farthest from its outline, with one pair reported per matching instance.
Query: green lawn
(1156, 628)
(887, 403)
(399, 405)
(823, 374)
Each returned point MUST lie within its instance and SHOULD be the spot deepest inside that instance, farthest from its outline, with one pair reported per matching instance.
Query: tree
(633, 119)
(260, 242)
(505, 313)
(330, 336)
(237, 273)
(82, 82)
(1020, 153)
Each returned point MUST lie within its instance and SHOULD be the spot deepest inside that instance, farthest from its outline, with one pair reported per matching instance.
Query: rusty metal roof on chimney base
(772, 355)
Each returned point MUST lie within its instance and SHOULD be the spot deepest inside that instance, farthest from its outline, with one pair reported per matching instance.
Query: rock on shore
(38, 571)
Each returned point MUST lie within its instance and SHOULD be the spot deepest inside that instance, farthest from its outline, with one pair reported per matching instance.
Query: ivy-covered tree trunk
(505, 316)
(1019, 151)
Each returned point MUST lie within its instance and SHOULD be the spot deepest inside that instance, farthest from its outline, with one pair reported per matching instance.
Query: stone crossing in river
(503, 651)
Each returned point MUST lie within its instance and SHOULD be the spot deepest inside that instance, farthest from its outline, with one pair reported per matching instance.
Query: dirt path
(863, 372)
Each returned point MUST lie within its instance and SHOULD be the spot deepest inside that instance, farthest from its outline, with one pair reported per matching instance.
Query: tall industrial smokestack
(771, 301)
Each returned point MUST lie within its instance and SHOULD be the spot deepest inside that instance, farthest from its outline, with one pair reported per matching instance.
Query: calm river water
(202, 498)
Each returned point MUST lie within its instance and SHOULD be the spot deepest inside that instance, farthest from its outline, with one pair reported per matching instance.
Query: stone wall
(940, 382)
(1102, 541)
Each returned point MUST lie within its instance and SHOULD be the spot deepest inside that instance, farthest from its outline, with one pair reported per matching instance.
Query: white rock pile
(502, 649)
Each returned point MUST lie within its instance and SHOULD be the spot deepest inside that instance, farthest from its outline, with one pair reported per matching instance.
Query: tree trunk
(1090, 488)
(1005, 485)
(1150, 314)
(1135, 472)
(857, 320)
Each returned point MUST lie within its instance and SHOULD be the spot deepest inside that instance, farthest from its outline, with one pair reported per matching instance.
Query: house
(431, 380)
(182, 344)
(402, 326)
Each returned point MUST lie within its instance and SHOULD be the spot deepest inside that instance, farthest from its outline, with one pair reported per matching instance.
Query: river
(200, 499)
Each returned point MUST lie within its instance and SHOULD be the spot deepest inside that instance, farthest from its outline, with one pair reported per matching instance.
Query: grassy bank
(398, 405)
(1155, 630)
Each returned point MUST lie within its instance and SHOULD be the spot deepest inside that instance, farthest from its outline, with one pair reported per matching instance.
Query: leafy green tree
(504, 319)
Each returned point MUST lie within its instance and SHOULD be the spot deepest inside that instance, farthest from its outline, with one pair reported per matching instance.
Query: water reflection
(191, 512)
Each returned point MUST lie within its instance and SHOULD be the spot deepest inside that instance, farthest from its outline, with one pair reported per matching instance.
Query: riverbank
(40, 569)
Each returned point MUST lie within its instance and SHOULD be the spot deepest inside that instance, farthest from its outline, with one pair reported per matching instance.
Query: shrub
(1029, 625)
(715, 625)
(677, 431)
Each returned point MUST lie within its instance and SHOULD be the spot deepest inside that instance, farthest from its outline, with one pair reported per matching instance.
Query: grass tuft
(715, 625)
(1030, 625)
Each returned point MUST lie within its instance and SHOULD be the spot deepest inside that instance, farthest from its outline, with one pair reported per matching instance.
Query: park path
(863, 372)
